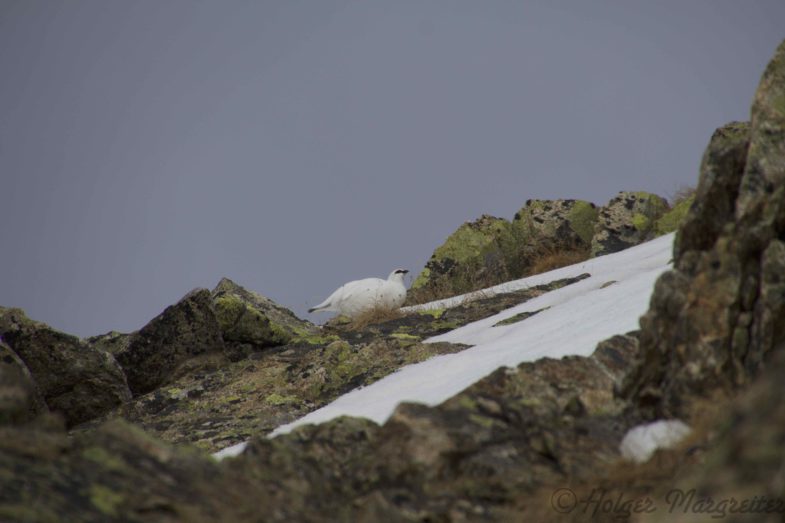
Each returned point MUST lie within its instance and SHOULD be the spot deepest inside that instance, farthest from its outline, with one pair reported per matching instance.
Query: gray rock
(628, 219)
(74, 379)
(20, 400)
(184, 336)
(714, 205)
(564, 223)
(476, 255)
(716, 318)
(492, 250)
(251, 322)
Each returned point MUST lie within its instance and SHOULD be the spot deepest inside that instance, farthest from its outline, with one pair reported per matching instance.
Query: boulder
(112, 342)
(250, 322)
(714, 204)
(20, 399)
(184, 336)
(717, 317)
(74, 379)
(476, 255)
(563, 223)
(628, 219)
(492, 250)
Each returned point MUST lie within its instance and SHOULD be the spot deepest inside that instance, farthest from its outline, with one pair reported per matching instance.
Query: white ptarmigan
(357, 296)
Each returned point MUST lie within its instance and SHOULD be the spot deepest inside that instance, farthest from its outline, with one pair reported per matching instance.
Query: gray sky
(150, 147)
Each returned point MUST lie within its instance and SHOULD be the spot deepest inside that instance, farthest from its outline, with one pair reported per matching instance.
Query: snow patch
(640, 442)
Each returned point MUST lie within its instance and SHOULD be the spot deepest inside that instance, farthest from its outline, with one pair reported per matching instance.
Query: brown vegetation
(377, 314)
(550, 259)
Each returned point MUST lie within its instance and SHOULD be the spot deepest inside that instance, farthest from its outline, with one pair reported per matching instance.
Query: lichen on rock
(628, 219)
(182, 332)
(74, 379)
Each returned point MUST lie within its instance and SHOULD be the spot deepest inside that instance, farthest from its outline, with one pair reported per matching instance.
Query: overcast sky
(149, 147)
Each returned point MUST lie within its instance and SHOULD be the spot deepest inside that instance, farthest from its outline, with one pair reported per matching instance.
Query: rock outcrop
(250, 322)
(216, 408)
(717, 316)
(628, 219)
(543, 235)
(480, 253)
(20, 400)
(563, 224)
(179, 335)
(75, 380)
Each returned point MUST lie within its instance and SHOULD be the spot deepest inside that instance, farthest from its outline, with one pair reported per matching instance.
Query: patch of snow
(579, 316)
(230, 452)
(640, 442)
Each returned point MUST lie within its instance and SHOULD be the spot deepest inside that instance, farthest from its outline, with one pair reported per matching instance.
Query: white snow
(640, 442)
(578, 317)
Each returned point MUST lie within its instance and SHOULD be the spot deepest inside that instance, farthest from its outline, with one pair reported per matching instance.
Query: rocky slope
(221, 365)
(491, 250)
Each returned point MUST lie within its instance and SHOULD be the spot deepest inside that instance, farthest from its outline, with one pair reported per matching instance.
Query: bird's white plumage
(357, 296)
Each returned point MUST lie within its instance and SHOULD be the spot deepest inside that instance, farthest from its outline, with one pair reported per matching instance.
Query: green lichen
(316, 339)
(653, 206)
(404, 336)
(583, 218)
(102, 457)
(467, 402)
(671, 220)
(242, 323)
(435, 313)
(641, 222)
(279, 399)
(422, 278)
(469, 245)
(105, 499)
(483, 421)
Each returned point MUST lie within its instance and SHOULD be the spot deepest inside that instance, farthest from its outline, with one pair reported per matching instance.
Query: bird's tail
(314, 309)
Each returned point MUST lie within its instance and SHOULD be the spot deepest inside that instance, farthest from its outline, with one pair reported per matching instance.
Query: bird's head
(397, 275)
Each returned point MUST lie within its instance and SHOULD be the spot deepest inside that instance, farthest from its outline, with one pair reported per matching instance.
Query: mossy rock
(560, 221)
(476, 254)
(671, 220)
(74, 379)
(248, 317)
(628, 219)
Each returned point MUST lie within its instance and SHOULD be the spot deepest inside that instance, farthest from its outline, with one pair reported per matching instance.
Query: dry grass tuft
(377, 314)
(550, 259)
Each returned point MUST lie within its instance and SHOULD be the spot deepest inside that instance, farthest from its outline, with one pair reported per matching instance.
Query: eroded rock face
(74, 379)
(186, 330)
(716, 317)
(628, 219)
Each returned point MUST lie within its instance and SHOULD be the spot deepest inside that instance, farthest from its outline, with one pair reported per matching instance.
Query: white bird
(357, 296)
